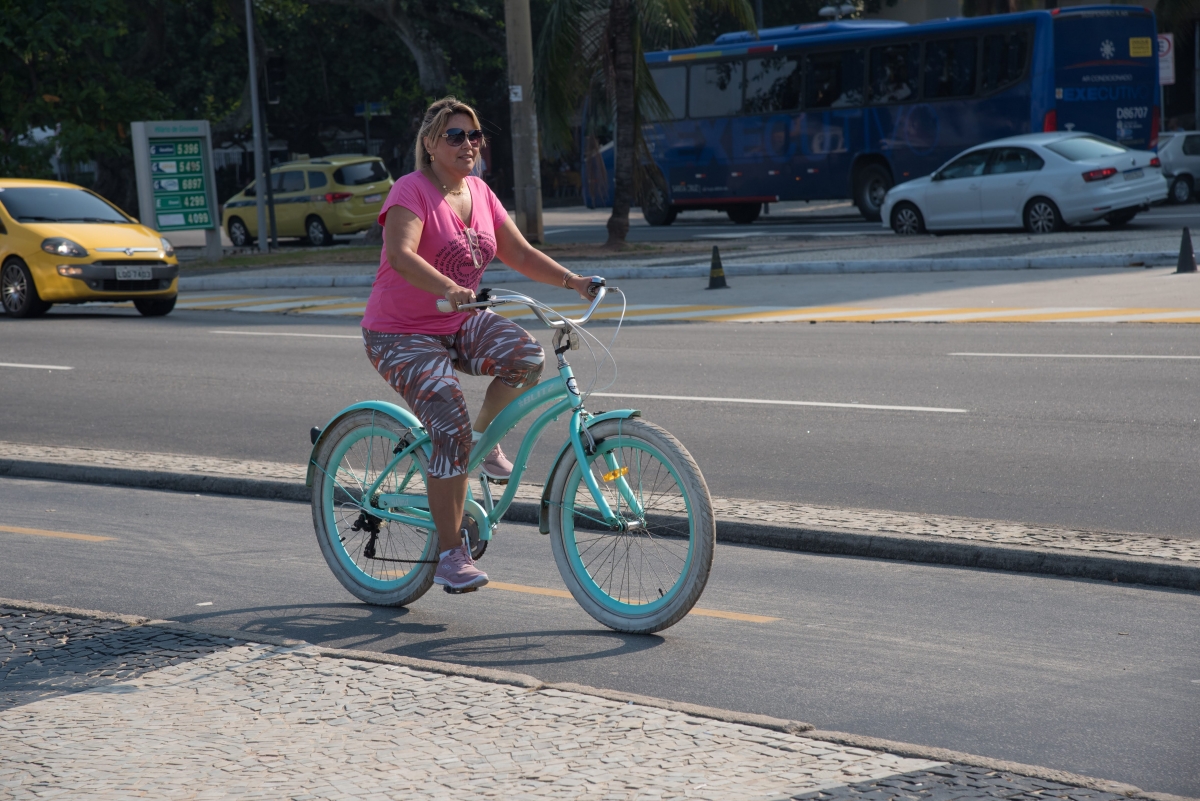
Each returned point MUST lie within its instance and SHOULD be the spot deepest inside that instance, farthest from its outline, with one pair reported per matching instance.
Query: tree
(592, 50)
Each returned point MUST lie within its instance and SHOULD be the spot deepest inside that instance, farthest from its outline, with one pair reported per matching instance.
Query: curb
(835, 542)
(713, 713)
(923, 264)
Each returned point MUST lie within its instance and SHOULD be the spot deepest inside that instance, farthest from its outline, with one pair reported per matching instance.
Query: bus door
(1106, 74)
(833, 96)
(714, 99)
(764, 139)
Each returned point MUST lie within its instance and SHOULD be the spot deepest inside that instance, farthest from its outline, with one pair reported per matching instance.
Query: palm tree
(592, 50)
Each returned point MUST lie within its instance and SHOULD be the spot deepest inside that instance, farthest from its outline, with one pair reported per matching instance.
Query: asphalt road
(1084, 676)
(1101, 444)
(792, 220)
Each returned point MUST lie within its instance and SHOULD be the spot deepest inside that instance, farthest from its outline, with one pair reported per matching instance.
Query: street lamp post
(260, 179)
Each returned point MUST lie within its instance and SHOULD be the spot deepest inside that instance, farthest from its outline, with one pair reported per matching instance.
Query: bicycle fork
(584, 446)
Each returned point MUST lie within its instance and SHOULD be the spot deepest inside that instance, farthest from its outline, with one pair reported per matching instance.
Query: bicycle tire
(677, 536)
(393, 568)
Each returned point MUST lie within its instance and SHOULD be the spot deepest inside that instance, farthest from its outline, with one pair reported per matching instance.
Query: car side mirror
(937, 176)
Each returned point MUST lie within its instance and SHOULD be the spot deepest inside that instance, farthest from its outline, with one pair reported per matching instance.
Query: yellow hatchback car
(61, 243)
(315, 199)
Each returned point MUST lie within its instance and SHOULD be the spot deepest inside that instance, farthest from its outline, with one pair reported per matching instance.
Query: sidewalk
(110, 707)
(1107, 556)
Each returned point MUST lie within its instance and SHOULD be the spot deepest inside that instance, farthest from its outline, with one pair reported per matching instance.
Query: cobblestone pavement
(164, 714)
(954, 782)
(734, 509)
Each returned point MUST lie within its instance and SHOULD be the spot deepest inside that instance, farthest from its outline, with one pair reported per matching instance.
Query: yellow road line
(184, 297)
(767, 315)
(361, 304)
(62, 535)
(696, 610)
(300, 301)
(1075, 315)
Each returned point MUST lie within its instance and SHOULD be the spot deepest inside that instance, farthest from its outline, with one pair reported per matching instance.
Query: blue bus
(849, 108)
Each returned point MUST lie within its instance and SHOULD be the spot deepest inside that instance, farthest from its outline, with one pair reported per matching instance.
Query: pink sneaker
(456, 571)
(496, 466)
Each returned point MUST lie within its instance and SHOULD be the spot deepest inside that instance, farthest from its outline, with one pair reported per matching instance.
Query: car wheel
(907, 220)
(238, 234)
(871, 187)
(1042, 216)
(20, 295)
(154, 307)
(744, 213)
(318, 234)
(1181, 189)
(1120, 218)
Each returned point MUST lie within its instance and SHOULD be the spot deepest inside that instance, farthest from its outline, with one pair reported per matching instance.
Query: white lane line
(37, 366)
(283, 334)
(1072, 356)
(781, 402)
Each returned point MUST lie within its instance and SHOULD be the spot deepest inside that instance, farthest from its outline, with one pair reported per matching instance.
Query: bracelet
(567, 279)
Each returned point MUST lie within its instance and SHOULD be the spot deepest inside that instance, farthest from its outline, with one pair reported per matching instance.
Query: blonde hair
(433, 125)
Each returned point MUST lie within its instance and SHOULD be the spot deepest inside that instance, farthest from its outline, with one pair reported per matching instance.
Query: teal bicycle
(628, 512)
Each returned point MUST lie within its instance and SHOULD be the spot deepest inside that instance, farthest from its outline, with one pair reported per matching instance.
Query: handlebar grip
(444, 306)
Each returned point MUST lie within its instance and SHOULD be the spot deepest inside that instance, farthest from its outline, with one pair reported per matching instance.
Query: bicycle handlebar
(535, 306)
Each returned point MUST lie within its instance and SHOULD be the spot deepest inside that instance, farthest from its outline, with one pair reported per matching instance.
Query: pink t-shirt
(398, 307)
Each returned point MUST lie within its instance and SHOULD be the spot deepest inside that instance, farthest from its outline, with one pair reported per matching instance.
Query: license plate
(1133, 175)
(133, 272)
(372, 198)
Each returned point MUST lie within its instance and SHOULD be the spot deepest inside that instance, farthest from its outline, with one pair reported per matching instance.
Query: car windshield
(1085, 148)
(57, 204)
(364, 172)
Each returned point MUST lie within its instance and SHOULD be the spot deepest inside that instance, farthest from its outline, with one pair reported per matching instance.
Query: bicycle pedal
(453, 591)
(491, 480)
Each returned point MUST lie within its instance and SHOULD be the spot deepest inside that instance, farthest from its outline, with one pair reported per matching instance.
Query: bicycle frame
(563, 393)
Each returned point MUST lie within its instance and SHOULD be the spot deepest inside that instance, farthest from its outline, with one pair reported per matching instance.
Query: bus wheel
(744, 213)
(871, 186)
(655, 207)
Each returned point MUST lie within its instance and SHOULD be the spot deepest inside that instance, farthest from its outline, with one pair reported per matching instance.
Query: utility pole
(527, 170)
(260, 179)
(1196, 78)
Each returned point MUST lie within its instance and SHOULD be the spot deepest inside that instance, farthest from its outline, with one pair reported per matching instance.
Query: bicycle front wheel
(379, 561)
(648, 575)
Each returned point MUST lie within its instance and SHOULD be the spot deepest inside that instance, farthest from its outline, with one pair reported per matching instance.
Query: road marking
(62, 535)
(1072, 356)
(37, 366)
(696, 610)
(767, 402)
(283, 334)
(205, 603)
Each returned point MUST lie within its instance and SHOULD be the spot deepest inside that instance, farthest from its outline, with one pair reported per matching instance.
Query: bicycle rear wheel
(648, 576)
(379, 561)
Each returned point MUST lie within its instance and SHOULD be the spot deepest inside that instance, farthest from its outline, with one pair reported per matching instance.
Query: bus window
(894, 73)
(716, 89)
(835, 80)
(772, 84)
(1004, 59)
(950, 68)
(672, 85)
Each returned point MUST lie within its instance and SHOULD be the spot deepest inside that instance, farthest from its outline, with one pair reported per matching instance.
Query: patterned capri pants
(419, 367)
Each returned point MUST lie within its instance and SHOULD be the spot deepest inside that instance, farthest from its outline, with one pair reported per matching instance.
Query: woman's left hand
(580, 284)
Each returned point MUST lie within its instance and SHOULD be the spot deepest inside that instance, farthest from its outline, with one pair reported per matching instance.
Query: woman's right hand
(459, 294)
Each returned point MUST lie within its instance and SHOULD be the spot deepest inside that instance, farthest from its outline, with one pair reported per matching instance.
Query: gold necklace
(461, 188)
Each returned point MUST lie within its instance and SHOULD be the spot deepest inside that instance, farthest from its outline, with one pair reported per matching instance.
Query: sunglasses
(456, 136)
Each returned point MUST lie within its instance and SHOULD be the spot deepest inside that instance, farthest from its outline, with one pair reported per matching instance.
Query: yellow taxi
(315, 199)
(61, 243)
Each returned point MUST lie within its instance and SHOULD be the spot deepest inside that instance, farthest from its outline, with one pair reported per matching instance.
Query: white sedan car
(1042, 182)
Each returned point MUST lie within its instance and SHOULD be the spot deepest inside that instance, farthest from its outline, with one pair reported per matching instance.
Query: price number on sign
(198, 218)
(188, 149)
(191, 183)
(194, 201)
(189, 166)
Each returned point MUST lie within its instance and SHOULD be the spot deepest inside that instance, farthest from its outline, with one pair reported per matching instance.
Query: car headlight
(64, 247)
(168, 248)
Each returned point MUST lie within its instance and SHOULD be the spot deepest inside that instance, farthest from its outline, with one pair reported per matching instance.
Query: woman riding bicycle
(441, 228)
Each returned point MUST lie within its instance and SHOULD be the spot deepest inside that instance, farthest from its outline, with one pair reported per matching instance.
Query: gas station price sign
(180, 188)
